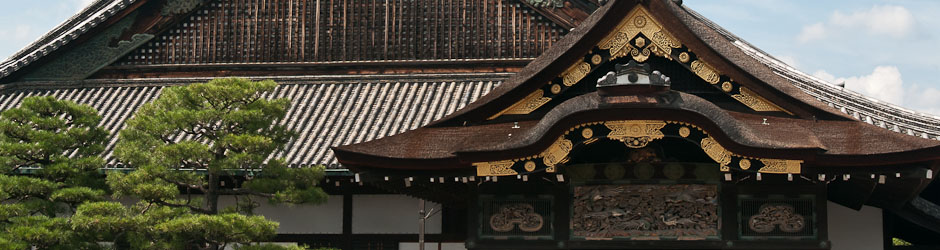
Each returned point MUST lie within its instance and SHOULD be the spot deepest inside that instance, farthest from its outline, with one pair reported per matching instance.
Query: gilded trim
(495, 168)
(528, 104)
(576, 72)
(754, 101)
(775, 166)
(633, 133)
(715, 151)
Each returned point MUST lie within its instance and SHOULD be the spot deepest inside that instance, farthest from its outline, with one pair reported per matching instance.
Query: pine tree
(190, 141)
(49, 160)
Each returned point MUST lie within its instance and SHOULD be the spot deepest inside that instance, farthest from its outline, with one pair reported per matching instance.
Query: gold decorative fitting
(638, 21)
(528, 104)
(587, 133)
(684, 57)
(705, 71)
(640, 42)
(684, 132)
(529, 166)
(755, 102)
(635, 134)
(775, 166)
(495, 168)
(716, 151)
(556, 89)
(557, 152)
(726, 86)
(576, 72)
(744, 164)
(596, 59)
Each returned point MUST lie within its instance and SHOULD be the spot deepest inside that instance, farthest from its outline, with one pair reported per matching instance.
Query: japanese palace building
(622, 124)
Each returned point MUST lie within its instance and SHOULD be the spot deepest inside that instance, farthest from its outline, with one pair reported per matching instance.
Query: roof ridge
(65, 32)
(865, 108)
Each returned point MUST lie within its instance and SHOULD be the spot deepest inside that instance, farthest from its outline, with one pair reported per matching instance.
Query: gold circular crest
(745, 164)
(684, 131)
(556, 89)
(640, 42)
(639, 21)
(726, 86)
(684, 57)
(587, 133)
(596, 59)
(529, 166)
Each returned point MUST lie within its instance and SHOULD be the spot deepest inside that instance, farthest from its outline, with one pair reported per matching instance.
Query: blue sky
(881, 48)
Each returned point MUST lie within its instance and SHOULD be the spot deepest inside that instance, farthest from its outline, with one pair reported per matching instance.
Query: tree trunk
(212, 197)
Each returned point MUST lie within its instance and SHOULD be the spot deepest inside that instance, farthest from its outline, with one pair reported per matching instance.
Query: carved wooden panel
(763, 218)
(254, 31)
(646, 212)
(504, 218)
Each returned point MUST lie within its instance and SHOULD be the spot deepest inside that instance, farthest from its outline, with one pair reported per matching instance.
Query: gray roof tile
(323, 114)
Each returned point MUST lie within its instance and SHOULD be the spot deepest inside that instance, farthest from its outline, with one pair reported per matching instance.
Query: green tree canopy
(59, 142)
(186, 141)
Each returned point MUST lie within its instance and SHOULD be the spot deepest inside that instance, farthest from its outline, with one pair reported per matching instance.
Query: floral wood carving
(507, 217)
(645, 212)
(772, 216)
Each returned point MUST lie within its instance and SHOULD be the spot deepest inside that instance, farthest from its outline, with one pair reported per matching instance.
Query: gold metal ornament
(556, 89)
(495, 168)
(705, 71)
(684, 57)
(638, 21)
(530, 166)
(755, 102)
(575, 73)
(684, 132)
(744, 164)
(587, 133)
(596, 59)
(776, 166)
(716, 151)
(726, 86)
(557, 152)
(528, 104)
(635, 134)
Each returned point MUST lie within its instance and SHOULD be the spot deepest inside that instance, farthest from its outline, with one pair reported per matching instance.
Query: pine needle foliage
(59, 142)
(188, 142)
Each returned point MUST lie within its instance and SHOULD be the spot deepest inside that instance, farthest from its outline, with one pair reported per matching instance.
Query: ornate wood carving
(557, 152)
(774, 216)
(640, 36)
(509, 216)
(645, 212)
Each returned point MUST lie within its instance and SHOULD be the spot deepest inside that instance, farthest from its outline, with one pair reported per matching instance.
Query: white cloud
(886, 84)
(894, 21)
(812, 32)
(22, 32)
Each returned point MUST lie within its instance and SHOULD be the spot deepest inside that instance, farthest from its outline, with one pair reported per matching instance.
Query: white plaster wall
(326, 218)
(432, 246)
(391, 214)
(855, 230)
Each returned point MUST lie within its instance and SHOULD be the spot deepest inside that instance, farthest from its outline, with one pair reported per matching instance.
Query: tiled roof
(323, 113)
(863, 108)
